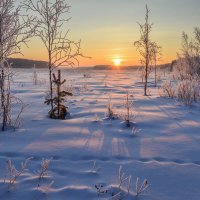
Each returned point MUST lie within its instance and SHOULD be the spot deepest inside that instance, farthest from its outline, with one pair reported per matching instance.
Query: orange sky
(108, 29)
(104, 50)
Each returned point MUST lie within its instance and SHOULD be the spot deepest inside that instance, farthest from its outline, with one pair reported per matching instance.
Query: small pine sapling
(59, 110)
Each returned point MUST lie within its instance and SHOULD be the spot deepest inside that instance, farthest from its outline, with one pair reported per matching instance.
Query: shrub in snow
(128, 105)
(168, 89)
(43, 171)
(134, 131)
(35, 76)
(122, 189)
(17, 121)
(140, 189)
(95, 169)
(44, 165)
(185, 80)
(127, 179)
(123, 178)
(11, 110)
(13, 174)
(182, 86)
(128, 114)
(110, 112)
(188, 91)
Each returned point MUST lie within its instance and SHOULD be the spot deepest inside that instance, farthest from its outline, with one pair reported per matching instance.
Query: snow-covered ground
(88, 149)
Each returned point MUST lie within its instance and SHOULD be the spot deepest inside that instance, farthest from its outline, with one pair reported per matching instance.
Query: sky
(108, 28)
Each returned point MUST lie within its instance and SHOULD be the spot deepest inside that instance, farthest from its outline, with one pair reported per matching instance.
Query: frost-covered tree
(188, 62)
(51, 17)
(144, 47)
(15, 30)
(185, 80)
(156, 55)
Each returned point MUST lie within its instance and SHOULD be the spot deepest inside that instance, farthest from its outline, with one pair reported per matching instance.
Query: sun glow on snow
(117, 61)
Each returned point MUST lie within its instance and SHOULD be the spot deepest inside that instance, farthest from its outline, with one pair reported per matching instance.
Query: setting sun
(117, 61)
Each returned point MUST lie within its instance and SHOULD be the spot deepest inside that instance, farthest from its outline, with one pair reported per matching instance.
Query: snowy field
(87, 149)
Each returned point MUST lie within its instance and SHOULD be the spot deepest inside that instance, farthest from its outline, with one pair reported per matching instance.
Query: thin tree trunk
(2, 80)
(3, 101)
(146, 77)
(147, 55)
(155, 74)
(1, 62)
(2, 85)
(58, 91)
(50, 81)
(128, 108)
(50, 58)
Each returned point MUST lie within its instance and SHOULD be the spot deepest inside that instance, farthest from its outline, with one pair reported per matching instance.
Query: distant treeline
(25, 63)
(108, 67)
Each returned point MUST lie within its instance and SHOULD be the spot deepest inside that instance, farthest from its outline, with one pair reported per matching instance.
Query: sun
(117, 61)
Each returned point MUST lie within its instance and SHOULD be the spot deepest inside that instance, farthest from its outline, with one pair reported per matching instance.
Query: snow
(165, 150)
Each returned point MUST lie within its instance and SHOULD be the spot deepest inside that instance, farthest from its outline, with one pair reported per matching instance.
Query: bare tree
(190, 52)
(15, 30)
(144, 46)
(156, 56)
(50, 20)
